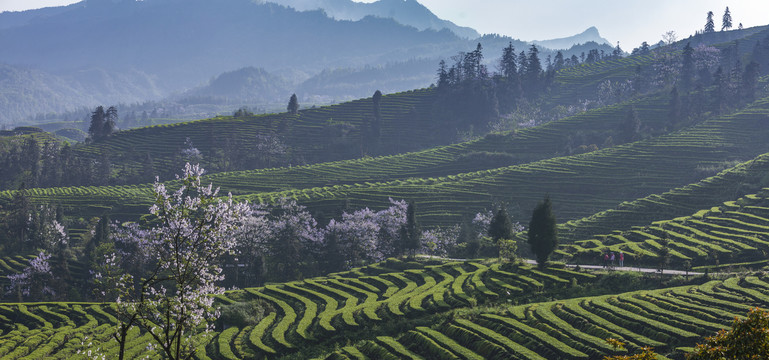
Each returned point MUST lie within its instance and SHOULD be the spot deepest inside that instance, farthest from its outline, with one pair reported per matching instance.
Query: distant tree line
(470, 96)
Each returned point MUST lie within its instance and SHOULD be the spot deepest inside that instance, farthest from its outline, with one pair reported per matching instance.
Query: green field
(671, 320)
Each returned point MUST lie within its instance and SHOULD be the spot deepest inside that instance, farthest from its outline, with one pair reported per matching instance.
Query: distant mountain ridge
(589, 35)
(406, 12)
(104, 52)
(181, 44)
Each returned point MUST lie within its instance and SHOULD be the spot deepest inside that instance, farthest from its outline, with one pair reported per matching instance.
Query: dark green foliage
(410, 232)
(631, 126)
(508, 63)
(103, 123)
(674, 108)
(334, 259)
(293, 105)
(750, 82)
(376, 126)
(501, 227)
(532, 77)
(543, 233)
(726, 23)
(687, 68)
(709, 23)
(720, 92)
(242, 314)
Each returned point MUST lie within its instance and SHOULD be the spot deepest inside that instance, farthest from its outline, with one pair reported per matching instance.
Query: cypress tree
(750, 81)
(631, 127)
(293, 105)
(500, 227)
(410, 231)
(376, 127)
(674, 113)
(543, 234)
(687, 68)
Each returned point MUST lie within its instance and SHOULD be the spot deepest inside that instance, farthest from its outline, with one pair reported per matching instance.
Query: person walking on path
(605, 260)
(612, 258)
(621, 259)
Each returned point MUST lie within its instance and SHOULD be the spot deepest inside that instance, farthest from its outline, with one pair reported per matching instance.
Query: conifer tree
(720, 91)
(631, 127)
(501, 227)
(674, 113)
(410, 231)
(727, 20)
(532, 72)
(709, 24)
(443, 75)
(558, 62)
(508, 62)
(293, 105)
(376, 127)
(543, 234)
(750, 82)
(97, 123)
(687, 68)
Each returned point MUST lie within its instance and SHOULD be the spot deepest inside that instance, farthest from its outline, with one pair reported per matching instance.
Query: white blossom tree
(34, 280)
(187, 232)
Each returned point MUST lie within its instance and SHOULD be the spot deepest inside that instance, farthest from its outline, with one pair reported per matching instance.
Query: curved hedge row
(668, 319)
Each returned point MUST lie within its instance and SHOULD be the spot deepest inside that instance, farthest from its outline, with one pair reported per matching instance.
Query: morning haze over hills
(390, 186)
(128, 52)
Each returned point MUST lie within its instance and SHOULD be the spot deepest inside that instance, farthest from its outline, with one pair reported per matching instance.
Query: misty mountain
(249, 85)
(181, 44)
(220, 52)
(25, 91)
(407, 12)
(186, 42)
(589, 35)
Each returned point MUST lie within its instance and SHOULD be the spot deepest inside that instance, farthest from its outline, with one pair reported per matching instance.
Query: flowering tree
(189, 230)
(366, 235)
(292, 237)
(34, 279)
(439, 241)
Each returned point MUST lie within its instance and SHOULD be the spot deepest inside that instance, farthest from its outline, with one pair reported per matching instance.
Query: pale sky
(627, 21)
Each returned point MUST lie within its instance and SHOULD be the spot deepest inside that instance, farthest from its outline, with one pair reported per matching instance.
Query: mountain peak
(406, 12)
(590, 34)
(591, 31)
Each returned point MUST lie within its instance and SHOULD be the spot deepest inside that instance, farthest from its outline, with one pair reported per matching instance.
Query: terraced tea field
(579, 185)
(310, 133)
(671, 320)
(605, 177)
(735, 232)
(745, 178)
(492, 151)
(307, 312)
(314, 315)
(315, 310)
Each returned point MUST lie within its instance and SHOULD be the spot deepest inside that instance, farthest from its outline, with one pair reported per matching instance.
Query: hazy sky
(627, 21)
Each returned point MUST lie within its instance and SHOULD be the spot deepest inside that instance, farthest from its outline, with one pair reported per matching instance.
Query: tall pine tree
(710, 26)
(293, 105)
(543, 234)
(727, 20)
(501, 227)
(410, 231)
